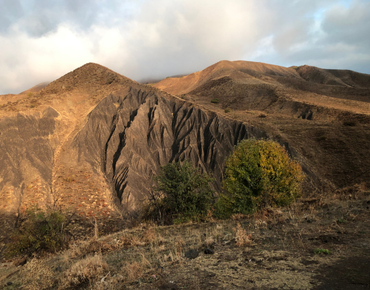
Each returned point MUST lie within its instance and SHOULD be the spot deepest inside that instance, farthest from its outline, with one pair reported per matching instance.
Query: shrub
(259, 173)
(227, 110)
(182, 193)
(215, 101)
(41, 231)
(89, 269)
(322, 251)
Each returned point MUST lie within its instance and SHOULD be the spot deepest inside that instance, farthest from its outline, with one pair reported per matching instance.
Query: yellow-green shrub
(259, 173)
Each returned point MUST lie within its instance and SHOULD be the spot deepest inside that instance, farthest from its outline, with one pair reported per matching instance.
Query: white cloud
(143, 39)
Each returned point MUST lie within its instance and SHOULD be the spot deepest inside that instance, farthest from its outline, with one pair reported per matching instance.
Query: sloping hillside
(323, 114)
(91, 141)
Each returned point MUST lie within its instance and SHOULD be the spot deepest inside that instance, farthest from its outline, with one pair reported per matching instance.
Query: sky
(41, 40)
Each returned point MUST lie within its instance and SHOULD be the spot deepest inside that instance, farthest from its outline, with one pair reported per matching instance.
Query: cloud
(42, 40)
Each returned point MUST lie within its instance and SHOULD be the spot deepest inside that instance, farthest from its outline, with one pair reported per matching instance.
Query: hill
(91, 141)
(322, 114)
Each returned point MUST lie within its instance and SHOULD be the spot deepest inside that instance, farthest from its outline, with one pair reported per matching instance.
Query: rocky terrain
(91, 141)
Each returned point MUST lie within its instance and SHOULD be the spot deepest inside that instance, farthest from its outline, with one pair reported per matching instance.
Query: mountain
(91, 141)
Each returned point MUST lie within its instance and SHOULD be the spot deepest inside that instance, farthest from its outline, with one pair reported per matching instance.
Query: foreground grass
(273, 248)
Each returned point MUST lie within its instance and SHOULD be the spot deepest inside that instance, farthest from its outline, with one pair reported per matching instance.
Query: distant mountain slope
(239, 69)
(334, 77)
(250, 85)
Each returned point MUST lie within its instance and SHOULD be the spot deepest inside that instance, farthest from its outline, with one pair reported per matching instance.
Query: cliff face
(129, 135)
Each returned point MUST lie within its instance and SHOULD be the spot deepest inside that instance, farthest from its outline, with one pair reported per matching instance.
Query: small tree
(259, 173)
(181, 193)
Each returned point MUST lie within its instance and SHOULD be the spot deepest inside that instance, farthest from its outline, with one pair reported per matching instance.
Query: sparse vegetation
(259, 173)
(40, 231)
(215, 101)
(148, 256)
(182, 193)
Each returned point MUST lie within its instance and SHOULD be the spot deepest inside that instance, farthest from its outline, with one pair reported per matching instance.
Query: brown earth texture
(90, 143)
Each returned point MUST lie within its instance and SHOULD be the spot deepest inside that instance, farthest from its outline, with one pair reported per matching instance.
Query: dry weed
(89, 270)
(168, 257)
(145, 262)
(39, 276)
(149, 235)
(179, 243)
(66, 258)
(109, 283)
(133, 271)
(90, 247)
(209, 241)
(241, 236)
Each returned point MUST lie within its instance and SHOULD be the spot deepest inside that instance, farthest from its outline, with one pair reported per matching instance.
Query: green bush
(215, 101)
(227, 110)
(182, 193)
(40, 231)
(259, 173)
(322, 251)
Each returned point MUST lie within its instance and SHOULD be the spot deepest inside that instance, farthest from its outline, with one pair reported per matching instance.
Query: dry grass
(90, 269)
(149, 235)
(241, 237)
(138, 254)
(132, 270)
(39, 275)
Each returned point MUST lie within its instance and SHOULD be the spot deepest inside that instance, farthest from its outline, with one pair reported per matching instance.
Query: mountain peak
(87, 77)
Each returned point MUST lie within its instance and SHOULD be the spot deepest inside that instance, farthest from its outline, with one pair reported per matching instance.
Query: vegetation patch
(182, 194)
(259, 173)
(322, 251)
(40, 231)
